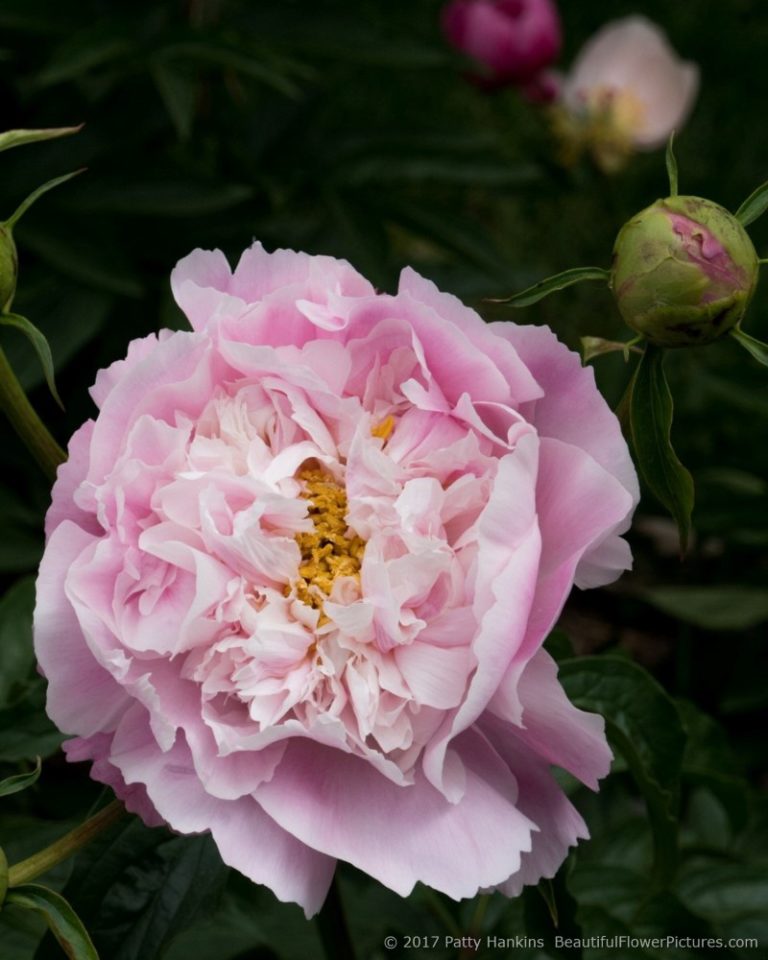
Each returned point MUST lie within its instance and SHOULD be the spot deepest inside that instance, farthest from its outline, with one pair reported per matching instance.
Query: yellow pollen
(327, 551)
(611, 120)
(384, 428)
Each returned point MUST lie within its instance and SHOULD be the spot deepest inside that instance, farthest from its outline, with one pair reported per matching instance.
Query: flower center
(327, 551)
(607, 126)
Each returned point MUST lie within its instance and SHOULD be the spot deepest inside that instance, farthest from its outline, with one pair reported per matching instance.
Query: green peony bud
(9, 268)
(684, 271)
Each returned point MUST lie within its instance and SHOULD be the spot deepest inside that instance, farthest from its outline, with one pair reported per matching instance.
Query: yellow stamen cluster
(327, 551)
(606, 129)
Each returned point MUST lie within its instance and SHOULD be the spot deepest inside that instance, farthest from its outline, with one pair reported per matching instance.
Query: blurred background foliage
(350, 129)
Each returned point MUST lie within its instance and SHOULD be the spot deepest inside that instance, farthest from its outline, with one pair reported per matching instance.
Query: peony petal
(574, 518)
(247, 838)
(572, 408)
(341, 806)
(558, 824)
(436, 676)
(521, 382)
(507, 565)
(82, 696)
(69, 476)
(548, 723)
(96, 749)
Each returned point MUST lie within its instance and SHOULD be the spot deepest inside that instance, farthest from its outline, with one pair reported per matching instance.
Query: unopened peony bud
(513, 39)
(9, 266)
(684, 271)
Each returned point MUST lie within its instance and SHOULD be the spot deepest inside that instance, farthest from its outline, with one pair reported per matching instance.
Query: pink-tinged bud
(513, 39)
(684, 271)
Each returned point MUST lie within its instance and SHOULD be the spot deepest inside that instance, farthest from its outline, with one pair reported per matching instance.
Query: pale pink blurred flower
(626, 91)
(514, 40)
(300, 567)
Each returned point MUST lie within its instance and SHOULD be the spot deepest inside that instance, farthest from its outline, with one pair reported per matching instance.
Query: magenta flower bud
(684, 271)
(513, 39)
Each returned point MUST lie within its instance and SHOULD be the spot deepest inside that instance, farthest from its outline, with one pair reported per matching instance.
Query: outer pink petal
(559, 824)
(138, 350)
(505, 584)
(205, 288)
(83, 697)
(96, 749)
(579, 503)
(669, 98)
(259, 273)
(572, 408)
(616, 52)
(177, 377)
(548, 723)
(69, 476)
(201, 285)
(521, 382)
(340, 805)
(247, 838)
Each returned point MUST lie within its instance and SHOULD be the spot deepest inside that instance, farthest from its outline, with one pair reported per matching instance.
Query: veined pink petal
(403, 835)
(548, 723)
(82, 696)
(247, 838)
(558, 824)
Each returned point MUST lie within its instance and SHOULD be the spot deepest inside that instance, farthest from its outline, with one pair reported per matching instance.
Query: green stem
(444, 915)
(476, 926)
(332, 926)
(66, 846)
(26, 422)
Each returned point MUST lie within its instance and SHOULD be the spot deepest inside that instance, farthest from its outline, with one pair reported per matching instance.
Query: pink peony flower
(513, 39)
(300, 567)
(628, 90)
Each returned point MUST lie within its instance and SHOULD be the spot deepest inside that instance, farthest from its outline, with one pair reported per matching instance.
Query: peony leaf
(550, 908)
(25, 730)
(162, 198)
(592, 347)
(42, 349)
(36, 194)
(709, 761)
(672, 165)
(643, 723)
(712, 608)
(20, 781)
(17, 657)
(178, 91)
(552, 284)
(62, 920)
(614, 901)
(756, 348)
(16, 138)
(730, 896)
(754, 206)
(650, 419)
(280, 75)
(172, 880)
